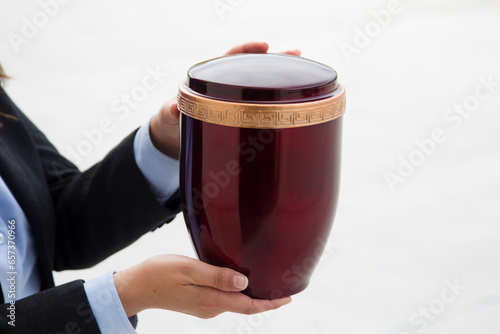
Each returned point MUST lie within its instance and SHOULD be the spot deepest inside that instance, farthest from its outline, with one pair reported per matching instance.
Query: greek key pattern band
(261, 116)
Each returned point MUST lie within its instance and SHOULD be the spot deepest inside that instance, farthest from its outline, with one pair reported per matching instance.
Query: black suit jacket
(77, 219)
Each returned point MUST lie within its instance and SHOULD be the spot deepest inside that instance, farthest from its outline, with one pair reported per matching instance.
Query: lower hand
(186, 285)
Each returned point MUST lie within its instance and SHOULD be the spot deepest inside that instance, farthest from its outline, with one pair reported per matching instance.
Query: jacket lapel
(21, 171)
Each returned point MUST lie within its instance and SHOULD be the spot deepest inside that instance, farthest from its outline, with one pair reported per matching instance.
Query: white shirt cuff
(161, 171)
(106, 305)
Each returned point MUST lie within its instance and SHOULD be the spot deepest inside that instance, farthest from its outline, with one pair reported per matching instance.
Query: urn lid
(262, 78)
(262, 91)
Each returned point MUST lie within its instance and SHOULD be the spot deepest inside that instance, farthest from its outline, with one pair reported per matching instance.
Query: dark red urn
(260, 165)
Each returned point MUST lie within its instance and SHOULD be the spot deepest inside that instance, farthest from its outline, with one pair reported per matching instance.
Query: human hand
(258, 47)
(182, 284)
(164, 127)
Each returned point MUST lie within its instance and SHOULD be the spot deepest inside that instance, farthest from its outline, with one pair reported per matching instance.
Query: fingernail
(240, 282)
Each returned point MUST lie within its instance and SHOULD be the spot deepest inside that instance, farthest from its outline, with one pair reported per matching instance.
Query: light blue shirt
(21, 251)
(101, 291)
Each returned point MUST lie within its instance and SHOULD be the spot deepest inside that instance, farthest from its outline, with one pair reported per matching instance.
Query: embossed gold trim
(261, 116)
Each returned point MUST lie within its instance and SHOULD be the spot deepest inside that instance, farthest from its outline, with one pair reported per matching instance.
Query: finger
(295, 52)
(170, 113)
(224, 279)
(240, 303)
(262, 305)
(249, 47)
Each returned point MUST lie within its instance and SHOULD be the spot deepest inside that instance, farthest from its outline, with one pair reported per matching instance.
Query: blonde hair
(3, 76)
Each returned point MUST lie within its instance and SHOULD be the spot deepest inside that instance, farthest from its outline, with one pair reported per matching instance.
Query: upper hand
(164, 127)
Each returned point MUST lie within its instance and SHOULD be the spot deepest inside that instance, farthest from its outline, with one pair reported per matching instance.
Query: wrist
(162, 140)
(131, 295)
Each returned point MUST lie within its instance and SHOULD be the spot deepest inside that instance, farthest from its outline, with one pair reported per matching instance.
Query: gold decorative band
(261, 116)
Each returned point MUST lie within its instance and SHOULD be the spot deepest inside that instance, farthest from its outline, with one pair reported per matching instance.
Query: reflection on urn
(260, 165)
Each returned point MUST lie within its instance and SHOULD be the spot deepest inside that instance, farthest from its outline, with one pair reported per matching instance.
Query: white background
(394, 249)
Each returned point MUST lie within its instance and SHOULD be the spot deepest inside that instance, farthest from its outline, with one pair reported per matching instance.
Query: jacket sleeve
(102, 210)
(63, 309)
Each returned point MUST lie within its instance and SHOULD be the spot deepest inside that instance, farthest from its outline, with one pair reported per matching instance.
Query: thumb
(224, 279)
(170, 113)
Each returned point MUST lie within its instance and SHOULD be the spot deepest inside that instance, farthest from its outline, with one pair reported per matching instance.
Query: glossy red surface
(263, 78)
(261, 201)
